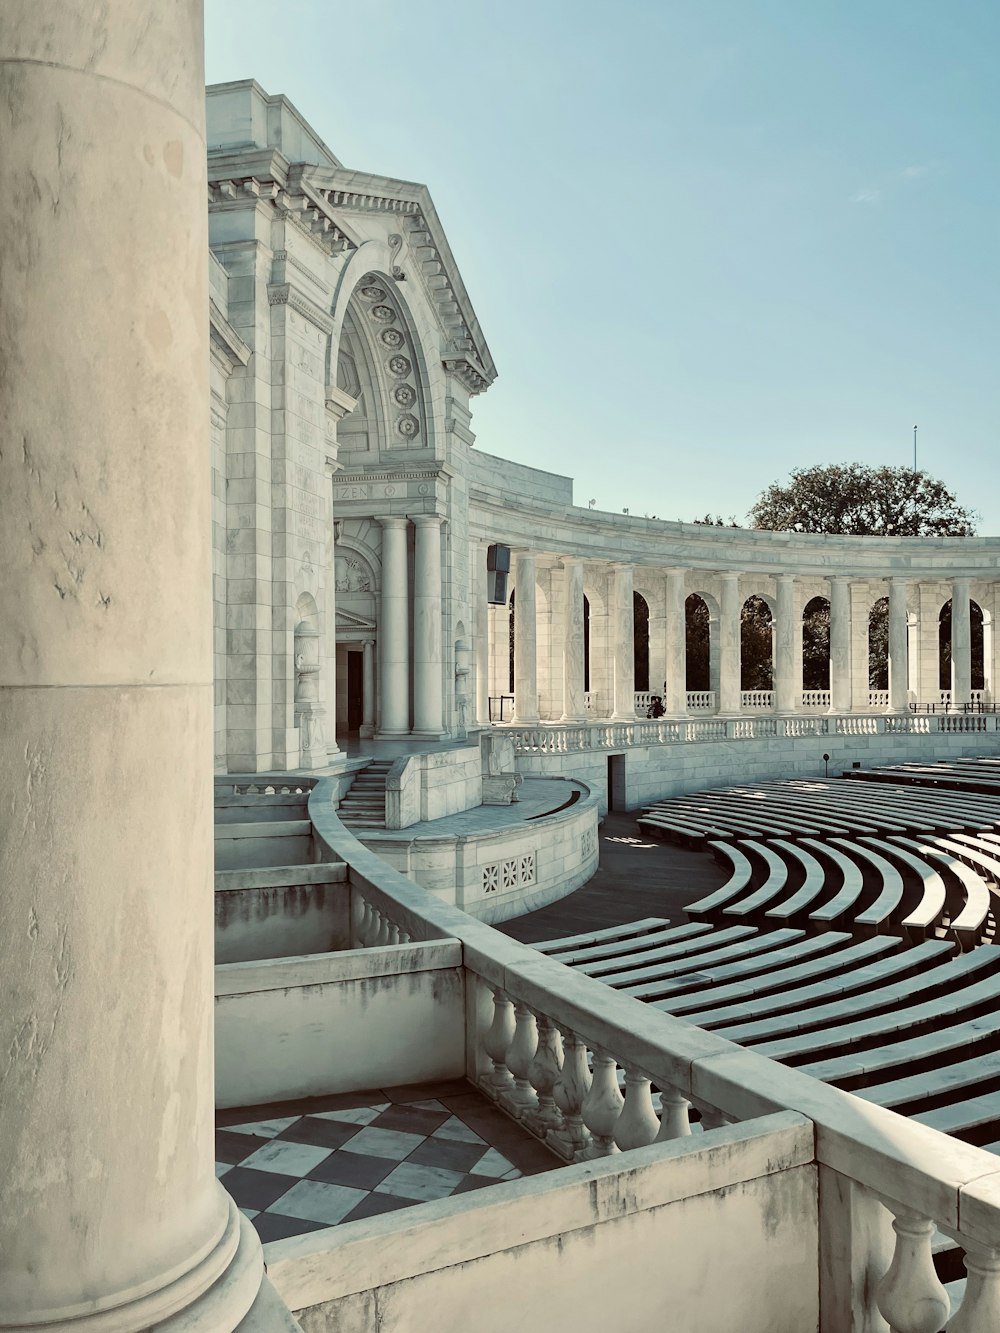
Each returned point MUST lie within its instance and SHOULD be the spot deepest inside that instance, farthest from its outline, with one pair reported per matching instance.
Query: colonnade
(564, 683)
(395, 682)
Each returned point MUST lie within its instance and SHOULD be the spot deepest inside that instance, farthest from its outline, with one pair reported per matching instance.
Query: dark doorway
(616, 782)
(355, 690)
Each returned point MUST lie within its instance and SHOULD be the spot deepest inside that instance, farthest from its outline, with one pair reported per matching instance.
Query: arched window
(756, 645)
(640, 640)
(878, 645)
(816, 644)
(697, 638)
(976, 643)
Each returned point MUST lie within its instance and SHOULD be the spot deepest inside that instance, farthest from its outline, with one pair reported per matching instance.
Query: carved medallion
(383, 313)
(373, 293)
(408, 425)
(398, 365)
(392, 338)
(405, 395)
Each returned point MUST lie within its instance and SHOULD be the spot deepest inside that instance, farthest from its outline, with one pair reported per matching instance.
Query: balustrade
(910, 1297)
(878, 699)
(702, 700)
(756, 698)
(373, 928)
(816, 699)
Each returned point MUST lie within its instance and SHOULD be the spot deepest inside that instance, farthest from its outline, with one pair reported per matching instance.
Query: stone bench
(968, 923)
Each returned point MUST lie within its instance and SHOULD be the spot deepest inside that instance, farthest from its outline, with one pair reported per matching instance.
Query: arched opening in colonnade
(878, 645)
(697, 636)
(756, 645)
(640, 641)
(510, 645)
(976, 642)
(816, 644)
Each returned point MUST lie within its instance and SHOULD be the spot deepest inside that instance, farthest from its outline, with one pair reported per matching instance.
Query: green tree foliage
(865, 501)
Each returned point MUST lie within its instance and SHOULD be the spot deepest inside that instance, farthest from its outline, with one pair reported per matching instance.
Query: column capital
(730, 574)
(673, 571)
(392, 520)
(568, 561)
(785, 578)
(425, 520)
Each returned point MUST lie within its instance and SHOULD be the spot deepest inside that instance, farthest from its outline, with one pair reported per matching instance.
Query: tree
(865, 501)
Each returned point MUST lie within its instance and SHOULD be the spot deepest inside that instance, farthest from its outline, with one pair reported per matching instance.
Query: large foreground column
(573, 641)
(394, 632)
(622, 643)
(961, 644)
(525, 639)
(428, 692)
(111, 1217)
(840, 645)
(897, 646)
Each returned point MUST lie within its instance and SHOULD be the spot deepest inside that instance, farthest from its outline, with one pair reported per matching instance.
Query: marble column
(329, 644)
(898, 636)
(730, 606)
(428, 683)
(394, 632)
(787, 647)
(840, 645)
(112, 1217)
(481, 634)
(961, 644)
(622, 644)
(525, 640)
(368, 689)
(573, 645)
(675, 699)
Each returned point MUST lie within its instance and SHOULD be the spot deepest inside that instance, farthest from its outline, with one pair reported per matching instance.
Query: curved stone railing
(547, 1044)
(556, 738)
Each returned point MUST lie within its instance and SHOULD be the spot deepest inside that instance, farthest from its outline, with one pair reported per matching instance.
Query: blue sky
(707, 241)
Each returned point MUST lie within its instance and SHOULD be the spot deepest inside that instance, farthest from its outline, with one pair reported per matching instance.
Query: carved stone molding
(285, 294)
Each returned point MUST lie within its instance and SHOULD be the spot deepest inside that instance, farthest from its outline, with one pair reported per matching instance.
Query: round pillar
(675, 685)
(786, 642)
(481, 637)
(840, 646)
(622, 643)
(367, 689)
(573, 642)
(394, 631)
(428, 711)
(525, 640)
(729, 645)
(898, 637)
(112, 1218)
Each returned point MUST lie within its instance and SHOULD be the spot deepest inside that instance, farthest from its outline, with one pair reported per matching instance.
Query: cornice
(283, 293)
(227, 347)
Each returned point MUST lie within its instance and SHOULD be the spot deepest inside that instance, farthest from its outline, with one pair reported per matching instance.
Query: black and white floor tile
(317, 1163)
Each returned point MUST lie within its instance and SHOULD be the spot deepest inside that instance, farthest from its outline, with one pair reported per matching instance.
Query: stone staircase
(364, 804)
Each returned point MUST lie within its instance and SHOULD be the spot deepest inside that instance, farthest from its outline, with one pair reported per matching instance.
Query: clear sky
(707, 240)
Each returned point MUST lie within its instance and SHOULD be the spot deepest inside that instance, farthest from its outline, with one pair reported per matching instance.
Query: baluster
(393, 933)
(405, 937)
(519, 1058)
(711, 1118)
(382, 937)
(359, 910)
(980, 1310)
(602, 1106)
(637, 1125)
(569, 1094)
(544, 1073)
(674, 1121)
(910, 1297)
(497, 1042)
(366, 927)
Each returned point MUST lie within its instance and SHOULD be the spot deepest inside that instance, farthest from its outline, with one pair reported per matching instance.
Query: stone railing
(816, 699)
(878, 698)
(555, 1048)
(591, 701)
(756, 698)
(700, 701)
(556, 738)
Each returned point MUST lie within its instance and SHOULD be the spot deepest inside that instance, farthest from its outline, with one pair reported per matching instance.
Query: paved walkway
(638, 877)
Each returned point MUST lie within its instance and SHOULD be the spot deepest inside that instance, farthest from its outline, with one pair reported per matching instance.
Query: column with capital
(394, 631)
(961, 644)
(675, 624)
(622, 643)
(897, 645)
(728, 702)
(787, 647)
(428, 684)
(481, 634)
(573, 642)
(525, 640)
(840, 645)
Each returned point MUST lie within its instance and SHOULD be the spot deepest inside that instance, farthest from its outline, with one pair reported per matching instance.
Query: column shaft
(428, 685)
(961, 644)
(675, 701)
(394, 631)
(525, 640)
(897, 646)
(481, 634)
(573, 645)
(729, 645)
(368, 688)
(622, 642)
(111, 1216)
(787, 647)
(840, 646)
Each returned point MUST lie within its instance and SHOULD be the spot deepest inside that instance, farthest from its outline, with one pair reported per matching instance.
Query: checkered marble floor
(300, 1166)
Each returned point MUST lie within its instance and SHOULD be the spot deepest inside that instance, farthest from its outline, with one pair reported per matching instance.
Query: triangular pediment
(350, 624)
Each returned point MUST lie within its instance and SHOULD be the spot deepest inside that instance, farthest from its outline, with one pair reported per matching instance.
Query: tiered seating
(845, 938)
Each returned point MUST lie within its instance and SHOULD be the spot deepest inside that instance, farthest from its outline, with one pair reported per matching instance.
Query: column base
(574, 719)
(427, 735)
(386, 735)
(366, 731)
